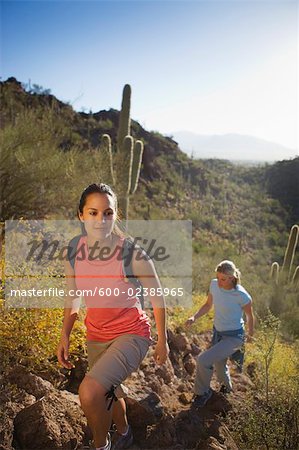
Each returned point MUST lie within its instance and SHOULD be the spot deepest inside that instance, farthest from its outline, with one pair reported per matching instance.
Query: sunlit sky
(210, 67)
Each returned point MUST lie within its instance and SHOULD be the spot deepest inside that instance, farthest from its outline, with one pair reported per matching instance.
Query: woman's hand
(63, 352)
(190, 321)
(161, 352)
(249, 339)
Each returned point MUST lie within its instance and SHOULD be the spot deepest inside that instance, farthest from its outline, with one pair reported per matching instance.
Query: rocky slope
(42, 411)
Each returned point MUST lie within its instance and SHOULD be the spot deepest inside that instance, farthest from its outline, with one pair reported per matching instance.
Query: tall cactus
(125, 163)
(284, 274)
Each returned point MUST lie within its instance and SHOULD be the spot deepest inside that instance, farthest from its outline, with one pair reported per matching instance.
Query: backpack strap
(72, 249)
(127, 256)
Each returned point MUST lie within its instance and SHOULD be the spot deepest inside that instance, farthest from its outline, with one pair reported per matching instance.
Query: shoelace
(111, 395)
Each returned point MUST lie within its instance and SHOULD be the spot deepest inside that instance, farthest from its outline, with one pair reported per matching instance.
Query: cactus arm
(106, 145)
(290, 251)
(137, 159)
(295, 279)
(274, 274)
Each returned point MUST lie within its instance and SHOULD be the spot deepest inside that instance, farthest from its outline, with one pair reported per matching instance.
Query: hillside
(49, 154)
(241, 213)
(225, 202)
(245, 209)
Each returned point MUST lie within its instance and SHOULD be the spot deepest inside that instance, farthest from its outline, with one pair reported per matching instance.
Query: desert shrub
(31, 336)
(30, 326)
(267, 418)
(33, 166)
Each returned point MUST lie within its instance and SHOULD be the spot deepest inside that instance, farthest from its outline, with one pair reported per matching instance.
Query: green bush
(30, 336)
(33, 166)
(267, 418)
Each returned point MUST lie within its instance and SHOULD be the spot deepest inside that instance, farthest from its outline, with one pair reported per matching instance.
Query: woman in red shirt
(118, 330)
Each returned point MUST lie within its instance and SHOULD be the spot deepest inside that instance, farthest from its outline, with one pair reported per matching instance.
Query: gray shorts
(110, 363)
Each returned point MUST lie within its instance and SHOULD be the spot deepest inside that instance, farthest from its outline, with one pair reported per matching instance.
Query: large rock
(219, 439)
(30, 383)
(76, 375)
(178, 342)
(195, 349)
(165, 372)
(145, 411)
(218, 403)
(55, 421)
(189, 364)
(12, 400)
(210, 444)
(161, 435)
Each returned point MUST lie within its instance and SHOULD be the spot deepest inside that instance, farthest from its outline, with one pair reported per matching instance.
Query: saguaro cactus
(125, 163)
(284, 274)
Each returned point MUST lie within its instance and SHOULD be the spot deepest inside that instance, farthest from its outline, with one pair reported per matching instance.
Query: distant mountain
(234, 147)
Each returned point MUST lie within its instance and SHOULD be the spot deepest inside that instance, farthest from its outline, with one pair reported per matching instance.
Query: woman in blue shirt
(230, 301)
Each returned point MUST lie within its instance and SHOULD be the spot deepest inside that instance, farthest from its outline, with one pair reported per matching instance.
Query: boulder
(218, 404)
(12, 400)
(165, 372)
(178, 342)
(30, 383)
(185, 398)
(145, 411)
(155, 386)
(195, 349)
(54, 421)
(210, 444)
(189, 364)
(76, 374)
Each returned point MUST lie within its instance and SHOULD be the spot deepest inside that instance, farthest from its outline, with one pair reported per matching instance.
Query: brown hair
(100, 188)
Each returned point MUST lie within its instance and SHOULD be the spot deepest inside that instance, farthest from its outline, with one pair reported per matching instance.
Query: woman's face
(98, 215)
(225, 281)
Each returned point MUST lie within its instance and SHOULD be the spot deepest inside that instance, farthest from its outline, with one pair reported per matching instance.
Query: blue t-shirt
(228, 306)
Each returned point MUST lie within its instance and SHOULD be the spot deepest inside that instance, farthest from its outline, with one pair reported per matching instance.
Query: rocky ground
(42, 410)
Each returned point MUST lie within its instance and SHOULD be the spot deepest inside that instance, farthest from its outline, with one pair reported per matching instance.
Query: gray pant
(216, 355)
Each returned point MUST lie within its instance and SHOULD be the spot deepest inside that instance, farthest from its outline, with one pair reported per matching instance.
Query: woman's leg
(94, 405)
(119, 416)
(205, 361)
(222, 372)
(114, 365)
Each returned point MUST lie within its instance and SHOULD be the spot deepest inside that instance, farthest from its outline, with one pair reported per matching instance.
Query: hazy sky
(210, 67)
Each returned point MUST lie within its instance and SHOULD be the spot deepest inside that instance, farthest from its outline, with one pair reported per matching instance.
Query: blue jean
(229, 342)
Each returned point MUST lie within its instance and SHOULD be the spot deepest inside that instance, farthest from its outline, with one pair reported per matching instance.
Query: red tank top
(118, 311)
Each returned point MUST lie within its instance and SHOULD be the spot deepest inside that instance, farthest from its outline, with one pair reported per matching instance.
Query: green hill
(50, 153)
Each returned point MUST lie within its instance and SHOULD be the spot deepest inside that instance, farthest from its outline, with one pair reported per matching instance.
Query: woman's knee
(202, 360)
(90, 390)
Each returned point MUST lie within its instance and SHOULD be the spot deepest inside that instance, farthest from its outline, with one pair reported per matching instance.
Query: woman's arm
(202, 311)
(249, 319)
(144, 270)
